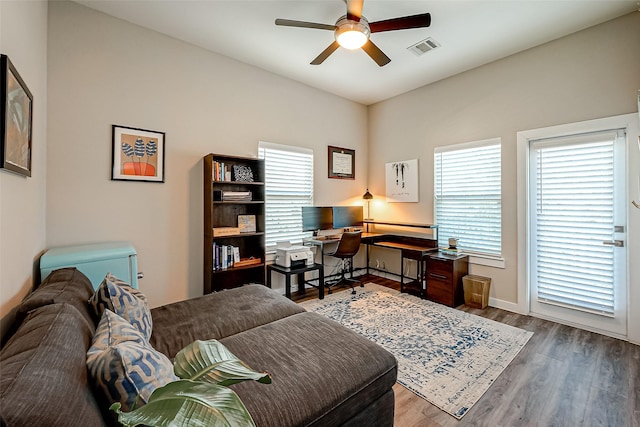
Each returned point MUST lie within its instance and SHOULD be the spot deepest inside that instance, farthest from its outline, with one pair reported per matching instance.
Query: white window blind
(572, 216)
(468, 196)
(288, 187)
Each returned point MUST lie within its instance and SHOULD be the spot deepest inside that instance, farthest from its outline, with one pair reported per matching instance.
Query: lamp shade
(367, 195)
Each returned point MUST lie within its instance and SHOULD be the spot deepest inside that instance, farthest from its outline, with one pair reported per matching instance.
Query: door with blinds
(577, 227)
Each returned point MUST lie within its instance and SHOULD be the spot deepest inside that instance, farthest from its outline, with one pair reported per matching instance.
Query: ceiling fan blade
(403, 23)
(325, 53)
(303, 24)
(375, 53)
(354, 9)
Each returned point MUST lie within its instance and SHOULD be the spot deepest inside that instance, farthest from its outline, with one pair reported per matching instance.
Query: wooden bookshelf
(219, 213)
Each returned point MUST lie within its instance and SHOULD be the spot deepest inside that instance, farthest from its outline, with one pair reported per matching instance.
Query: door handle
(616, 243)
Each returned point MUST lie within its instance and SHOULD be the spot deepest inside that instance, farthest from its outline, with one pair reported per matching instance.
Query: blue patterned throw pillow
(124, 366)
(116, 295)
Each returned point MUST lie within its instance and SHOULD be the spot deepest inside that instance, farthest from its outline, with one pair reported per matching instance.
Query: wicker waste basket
(476, 290)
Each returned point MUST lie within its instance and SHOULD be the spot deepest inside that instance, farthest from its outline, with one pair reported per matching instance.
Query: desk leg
(301, 282)
(269, 271)
(287, 288)
(401, 272)
(321, 283)
(367, 245)
(421, 271)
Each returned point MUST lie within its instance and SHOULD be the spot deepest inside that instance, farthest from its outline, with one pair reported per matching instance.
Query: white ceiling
(470, 32)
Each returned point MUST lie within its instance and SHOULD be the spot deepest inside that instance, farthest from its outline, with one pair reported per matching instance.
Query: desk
(439, 277)
(287, 272)
(414, 248)
(321, 242)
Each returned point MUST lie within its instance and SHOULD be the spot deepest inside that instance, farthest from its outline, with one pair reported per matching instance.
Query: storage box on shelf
(233, 186)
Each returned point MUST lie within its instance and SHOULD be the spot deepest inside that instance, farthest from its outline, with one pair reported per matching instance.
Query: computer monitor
(317, 218)
(347, 216)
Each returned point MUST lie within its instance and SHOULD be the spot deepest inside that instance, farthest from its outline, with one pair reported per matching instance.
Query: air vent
(424, 46)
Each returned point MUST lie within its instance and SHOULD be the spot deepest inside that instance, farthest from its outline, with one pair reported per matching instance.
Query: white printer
(293, 256)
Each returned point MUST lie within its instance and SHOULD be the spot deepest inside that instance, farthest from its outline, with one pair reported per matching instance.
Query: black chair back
(349, 245)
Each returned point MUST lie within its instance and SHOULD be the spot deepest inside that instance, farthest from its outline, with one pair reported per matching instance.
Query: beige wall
(591, 74)
(105, 71)
(23, 38)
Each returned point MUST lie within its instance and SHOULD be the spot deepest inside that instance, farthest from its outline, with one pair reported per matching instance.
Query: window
(288, 187)
(468, 196)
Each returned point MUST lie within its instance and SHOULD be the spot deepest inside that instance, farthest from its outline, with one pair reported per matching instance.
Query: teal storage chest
(95, 261)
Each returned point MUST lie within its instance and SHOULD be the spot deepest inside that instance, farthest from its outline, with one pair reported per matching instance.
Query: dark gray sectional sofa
(323, 374)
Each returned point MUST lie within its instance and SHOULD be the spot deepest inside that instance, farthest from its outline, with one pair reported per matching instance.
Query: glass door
(577, 214)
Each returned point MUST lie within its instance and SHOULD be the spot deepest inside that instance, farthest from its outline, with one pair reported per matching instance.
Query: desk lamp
(368, 197)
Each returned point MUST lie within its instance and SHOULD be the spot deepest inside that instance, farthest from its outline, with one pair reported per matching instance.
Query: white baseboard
(506, 305)
(515, 308)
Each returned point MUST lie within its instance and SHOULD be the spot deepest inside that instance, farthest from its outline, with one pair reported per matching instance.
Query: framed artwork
(16, 123)
(342, 163)
(401, 180)
(138, 154)
(247, 223)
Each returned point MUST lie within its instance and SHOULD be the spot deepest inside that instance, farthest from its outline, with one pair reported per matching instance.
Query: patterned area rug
(446, 356)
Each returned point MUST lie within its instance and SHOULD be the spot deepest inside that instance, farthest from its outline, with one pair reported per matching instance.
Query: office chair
(347, 248)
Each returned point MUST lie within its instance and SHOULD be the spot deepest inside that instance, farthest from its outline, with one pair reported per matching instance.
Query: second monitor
(331, 217)
(347, 216)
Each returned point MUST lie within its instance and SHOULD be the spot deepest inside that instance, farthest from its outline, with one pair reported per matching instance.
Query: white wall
(105, 71)
(23, 38)
(591, 74)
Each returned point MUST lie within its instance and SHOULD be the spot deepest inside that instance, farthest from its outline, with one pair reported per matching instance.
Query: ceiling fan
(352, 31)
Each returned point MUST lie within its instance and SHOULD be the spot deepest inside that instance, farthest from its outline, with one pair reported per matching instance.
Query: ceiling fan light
(350, 34)
(351, 39)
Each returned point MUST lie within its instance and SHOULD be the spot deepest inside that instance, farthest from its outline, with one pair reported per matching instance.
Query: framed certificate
(342, 163)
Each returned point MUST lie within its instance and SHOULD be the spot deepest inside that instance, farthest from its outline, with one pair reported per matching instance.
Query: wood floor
(562, 377)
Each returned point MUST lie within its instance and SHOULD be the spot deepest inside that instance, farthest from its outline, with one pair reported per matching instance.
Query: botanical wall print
(16, 116)
(401, 179)
(138, 154)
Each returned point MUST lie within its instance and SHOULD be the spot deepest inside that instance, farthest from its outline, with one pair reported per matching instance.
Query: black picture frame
(16, 123)
(146, 150)
(342, 163)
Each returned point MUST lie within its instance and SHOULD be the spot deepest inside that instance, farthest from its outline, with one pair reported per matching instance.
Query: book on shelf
(225, 256)
(232, 196)
(239, 196)
(220, 171)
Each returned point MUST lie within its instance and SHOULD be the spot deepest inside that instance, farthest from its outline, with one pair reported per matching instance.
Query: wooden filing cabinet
(444, 278)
